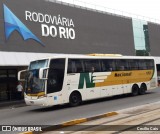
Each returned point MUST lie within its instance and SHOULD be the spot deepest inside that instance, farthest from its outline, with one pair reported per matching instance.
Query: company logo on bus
(12, 23)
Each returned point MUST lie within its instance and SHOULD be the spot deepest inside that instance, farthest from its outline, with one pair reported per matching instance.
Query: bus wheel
(135, 90)
(75, 99)
(142, 89)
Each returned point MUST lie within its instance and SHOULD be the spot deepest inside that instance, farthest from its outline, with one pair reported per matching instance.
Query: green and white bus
(72, 79)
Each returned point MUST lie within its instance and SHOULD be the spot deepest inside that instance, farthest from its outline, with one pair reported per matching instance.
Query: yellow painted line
(101, 116)
(78, 121)
(27, 132)
(74, 122)
(110, 114)
(82, 120)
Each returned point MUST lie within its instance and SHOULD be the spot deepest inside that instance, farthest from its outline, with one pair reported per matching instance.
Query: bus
(73, 79)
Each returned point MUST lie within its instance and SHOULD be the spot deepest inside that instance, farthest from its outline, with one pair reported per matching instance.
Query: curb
(15, 104)
(72, 122)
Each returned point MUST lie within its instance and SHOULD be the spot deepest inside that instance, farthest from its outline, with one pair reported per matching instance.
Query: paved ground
(128, 121)
(12, 104)
(35, 115)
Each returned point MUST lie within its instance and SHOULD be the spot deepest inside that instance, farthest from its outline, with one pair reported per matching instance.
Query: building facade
(30, 28)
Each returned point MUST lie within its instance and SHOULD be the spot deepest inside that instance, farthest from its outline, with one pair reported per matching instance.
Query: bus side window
(69, 70)
(71, 66)
(79, 66)
(75, 66)
(105, 65)
(142, 64)
(133, 64)
(92, 65)
(108, 65)
(150, 64)
(124, 65)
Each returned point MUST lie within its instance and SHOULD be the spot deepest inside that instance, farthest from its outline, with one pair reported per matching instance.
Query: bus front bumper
(37, 102)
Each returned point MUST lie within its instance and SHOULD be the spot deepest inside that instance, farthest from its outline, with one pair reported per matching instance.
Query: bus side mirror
(21, 75)
(43, 73)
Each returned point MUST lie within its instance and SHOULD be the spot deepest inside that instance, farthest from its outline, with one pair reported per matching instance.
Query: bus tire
(143, 89)
(75, 99)
(135, 90)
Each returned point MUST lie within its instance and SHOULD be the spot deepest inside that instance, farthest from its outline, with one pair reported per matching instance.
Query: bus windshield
(33, 83)
(38, 64)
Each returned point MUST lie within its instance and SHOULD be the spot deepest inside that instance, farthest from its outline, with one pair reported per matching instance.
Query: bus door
(55, 80)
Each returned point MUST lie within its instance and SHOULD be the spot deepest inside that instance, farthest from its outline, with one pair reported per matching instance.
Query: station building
(34, 29)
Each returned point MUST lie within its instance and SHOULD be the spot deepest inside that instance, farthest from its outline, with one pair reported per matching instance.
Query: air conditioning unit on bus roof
(97, 54)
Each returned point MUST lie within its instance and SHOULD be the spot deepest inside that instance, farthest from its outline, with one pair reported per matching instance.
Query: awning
(20, 58)
(24, 58)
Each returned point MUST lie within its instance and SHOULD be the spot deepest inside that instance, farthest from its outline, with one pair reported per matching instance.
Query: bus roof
(96, 56)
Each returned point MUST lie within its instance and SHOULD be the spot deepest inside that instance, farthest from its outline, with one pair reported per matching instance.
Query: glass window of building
(141, 37)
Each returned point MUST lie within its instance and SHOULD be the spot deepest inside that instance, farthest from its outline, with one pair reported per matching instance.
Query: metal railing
(103, 9)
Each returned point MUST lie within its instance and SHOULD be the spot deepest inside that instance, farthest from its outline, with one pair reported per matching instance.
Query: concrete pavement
(127, 121)
(12, 104)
